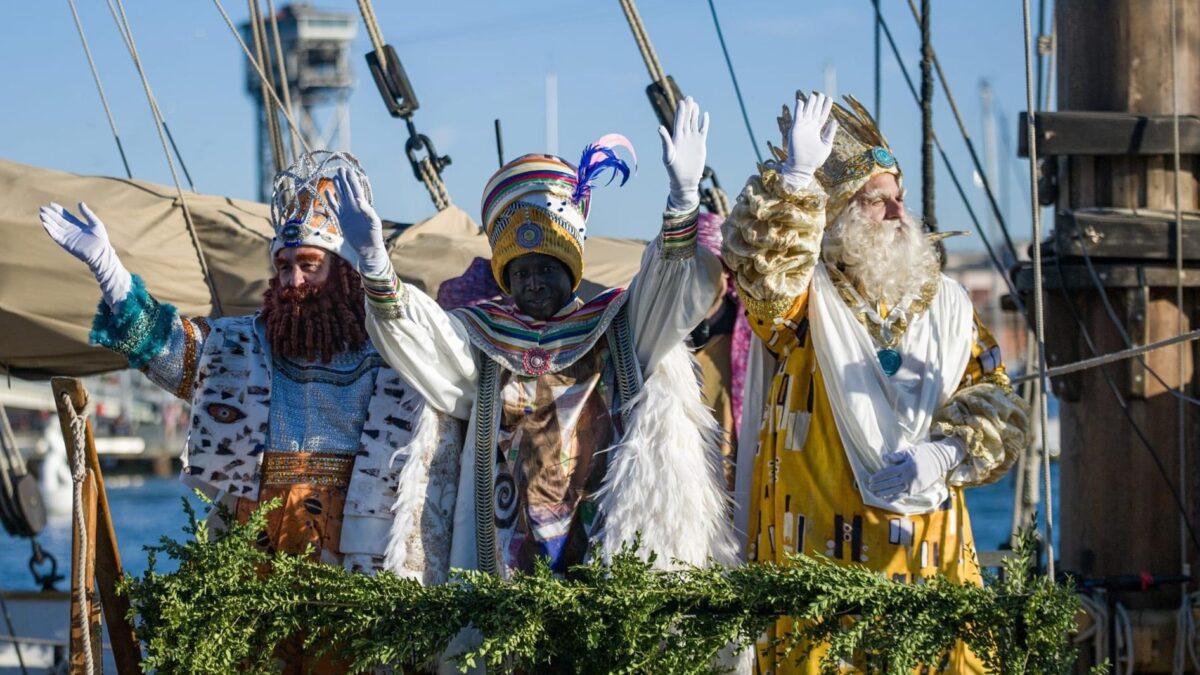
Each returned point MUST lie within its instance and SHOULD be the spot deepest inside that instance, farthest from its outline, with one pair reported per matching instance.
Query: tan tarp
(47, 298)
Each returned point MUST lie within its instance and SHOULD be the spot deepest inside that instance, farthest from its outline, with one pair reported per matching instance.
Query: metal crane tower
(315, 46)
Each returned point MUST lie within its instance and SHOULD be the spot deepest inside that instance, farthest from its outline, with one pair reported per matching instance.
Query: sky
(472, 61)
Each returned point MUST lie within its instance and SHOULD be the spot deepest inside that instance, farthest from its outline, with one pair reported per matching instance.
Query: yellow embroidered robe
(803, 496)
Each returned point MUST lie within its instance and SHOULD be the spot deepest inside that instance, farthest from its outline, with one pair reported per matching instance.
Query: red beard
(316, 322)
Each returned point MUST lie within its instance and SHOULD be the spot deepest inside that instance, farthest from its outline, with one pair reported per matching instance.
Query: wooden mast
(1110, 175)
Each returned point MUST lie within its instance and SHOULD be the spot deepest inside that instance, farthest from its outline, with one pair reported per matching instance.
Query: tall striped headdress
(540, 203)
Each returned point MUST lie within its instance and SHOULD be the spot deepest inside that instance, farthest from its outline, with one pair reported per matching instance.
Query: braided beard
(886, 260)
(309, 322)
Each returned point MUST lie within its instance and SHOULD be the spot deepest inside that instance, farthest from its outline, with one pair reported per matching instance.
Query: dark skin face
(540, 284)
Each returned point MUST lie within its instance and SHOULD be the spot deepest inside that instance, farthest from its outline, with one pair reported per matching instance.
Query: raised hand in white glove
(913, 469)
(88, 241)
(810, 139)
(361, 225)
(684, 153)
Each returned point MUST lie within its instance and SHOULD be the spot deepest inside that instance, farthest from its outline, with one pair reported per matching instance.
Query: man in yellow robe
(888, 397)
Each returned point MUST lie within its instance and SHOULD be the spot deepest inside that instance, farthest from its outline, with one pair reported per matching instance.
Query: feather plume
(665, 481)
(599, 156)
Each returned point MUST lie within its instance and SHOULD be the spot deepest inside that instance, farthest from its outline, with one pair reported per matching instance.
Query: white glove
(913, 469)
(361, 225)
(810, 140)
(88, 242)
(684, 153)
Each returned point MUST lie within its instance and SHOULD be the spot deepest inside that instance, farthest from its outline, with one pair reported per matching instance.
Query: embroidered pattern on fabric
(885, 331)
(498, 331)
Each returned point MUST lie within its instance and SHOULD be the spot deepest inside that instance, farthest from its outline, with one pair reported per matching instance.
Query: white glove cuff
(680, 201)
(376, 266)
(794, 178)
(115, 281)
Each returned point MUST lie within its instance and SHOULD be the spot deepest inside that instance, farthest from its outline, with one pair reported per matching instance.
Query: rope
(1185, 634)
(878, 65)
(12, 633)
(372, 23)
(78, 425)
(1125, 410)
(434, 184)
(927, 178)
(264, 83)
(99, 87)
(993, 203)
(284, 82)
(647, 49)
(1185, 567)
(1085, 364)
(1098, 632)
(127, 33)
(733, 76)
(962, 193)
(1038, 300)
(287, 114)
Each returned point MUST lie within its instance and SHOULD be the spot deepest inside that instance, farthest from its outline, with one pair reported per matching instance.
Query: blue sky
(473, 61)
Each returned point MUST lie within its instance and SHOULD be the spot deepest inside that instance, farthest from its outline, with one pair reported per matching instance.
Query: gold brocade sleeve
(985, 413)
(773, 244)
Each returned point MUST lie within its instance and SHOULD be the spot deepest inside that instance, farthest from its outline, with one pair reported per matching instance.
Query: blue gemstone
(889, 360)
(883, 157)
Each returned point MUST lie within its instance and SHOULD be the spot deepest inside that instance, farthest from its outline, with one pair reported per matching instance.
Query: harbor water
(146, 509)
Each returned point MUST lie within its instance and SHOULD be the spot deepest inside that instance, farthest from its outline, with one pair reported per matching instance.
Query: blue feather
(595, 160)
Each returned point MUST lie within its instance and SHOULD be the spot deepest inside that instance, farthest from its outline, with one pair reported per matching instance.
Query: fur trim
(419, 542)
(138, 329)
(665, 479)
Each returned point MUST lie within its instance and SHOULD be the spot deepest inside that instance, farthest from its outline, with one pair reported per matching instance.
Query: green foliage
(229, 604)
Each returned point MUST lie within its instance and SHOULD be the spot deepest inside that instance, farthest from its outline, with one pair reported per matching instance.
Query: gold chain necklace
(885, 331)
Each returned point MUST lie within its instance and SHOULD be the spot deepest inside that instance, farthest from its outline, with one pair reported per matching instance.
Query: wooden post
(1118, 515)
(102, 555)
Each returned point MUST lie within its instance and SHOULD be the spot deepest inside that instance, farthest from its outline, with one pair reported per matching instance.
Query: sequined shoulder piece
(530, 347)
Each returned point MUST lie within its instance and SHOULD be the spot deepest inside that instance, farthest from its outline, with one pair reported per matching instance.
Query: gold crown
(860, 152)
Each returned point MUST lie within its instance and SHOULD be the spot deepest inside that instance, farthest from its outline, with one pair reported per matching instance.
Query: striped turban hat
(539, 204)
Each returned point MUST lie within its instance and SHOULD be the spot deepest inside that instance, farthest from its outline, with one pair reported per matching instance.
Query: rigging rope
(887, 32)
(647, 49)
(426, 169)
(1105, 359)
(966, 136)
(287, 115)
(127, 33)
(372, 23)
(1185, 568)
(78, 426)
(1124, 406)
(263, 51)
(1038, 300)
(87, 51)
(284, 83)
(733, 76)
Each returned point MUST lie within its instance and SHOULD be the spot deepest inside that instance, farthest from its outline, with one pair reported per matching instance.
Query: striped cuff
(386, 296)
(679, 234)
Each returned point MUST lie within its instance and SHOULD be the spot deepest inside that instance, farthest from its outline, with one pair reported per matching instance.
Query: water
(143, 509)
(146, 509)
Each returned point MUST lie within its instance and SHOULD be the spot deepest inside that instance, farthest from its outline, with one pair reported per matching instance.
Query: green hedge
(218, 613)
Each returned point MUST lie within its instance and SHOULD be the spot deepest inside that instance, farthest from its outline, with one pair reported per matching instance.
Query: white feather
(665, 480)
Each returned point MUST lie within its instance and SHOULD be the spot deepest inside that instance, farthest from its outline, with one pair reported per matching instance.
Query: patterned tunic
(805, 499)
(802, 495)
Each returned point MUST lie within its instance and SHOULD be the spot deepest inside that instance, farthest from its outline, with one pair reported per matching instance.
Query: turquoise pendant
(889, 359)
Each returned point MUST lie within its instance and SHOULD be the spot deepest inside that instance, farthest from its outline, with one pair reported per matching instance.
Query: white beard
(887, 260)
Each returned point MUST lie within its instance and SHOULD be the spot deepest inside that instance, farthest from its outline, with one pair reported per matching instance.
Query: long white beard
(885, 260)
